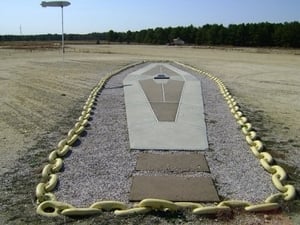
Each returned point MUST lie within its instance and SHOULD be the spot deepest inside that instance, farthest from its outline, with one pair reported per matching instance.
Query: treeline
(54, 37)
(250, 34)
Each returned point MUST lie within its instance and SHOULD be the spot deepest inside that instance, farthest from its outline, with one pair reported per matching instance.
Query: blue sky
(86, 16)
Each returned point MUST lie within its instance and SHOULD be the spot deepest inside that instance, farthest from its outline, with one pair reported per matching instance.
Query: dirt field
(40, 98)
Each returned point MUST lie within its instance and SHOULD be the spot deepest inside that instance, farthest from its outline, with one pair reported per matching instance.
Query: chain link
(49, 206)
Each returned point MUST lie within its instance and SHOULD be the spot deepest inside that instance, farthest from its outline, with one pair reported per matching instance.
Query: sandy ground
(37, 89)
(40, 98)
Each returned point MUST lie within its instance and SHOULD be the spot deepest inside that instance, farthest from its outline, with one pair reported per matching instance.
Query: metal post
(61, 4)
(62, 33)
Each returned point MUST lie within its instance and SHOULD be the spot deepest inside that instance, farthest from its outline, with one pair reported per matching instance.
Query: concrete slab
(173, 90)
(161, 69)
(172, 162)
(146, 131)
(163, 96)
(152, 90)
(165, 111)
(162, 90)
(173, 188)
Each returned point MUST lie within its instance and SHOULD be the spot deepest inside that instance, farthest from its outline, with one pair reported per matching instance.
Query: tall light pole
(61, 4)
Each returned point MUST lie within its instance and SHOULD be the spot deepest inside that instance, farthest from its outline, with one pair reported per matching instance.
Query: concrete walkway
(169, 177)
(164, 113)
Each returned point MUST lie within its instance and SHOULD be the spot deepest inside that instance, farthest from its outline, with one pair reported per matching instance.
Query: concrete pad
(173, 188)
(152, 90)
(165, 111)
(172, 162)
(161, 69)
(165, 91)
(173, 90)
(167, 136)
(146, 131)
(163, 96)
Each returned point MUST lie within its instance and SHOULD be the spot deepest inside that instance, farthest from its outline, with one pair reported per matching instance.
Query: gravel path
(101, 166)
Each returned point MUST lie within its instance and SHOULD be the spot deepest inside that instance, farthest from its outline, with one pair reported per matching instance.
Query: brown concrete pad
(163, 98)
(172, 162)
(152, 90)
(173, 188)
(164, 111)
(154, 93)
(173, 90)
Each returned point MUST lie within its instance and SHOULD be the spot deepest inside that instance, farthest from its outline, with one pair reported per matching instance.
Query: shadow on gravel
(117, 87)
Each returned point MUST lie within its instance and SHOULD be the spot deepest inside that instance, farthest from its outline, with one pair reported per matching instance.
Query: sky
(86, 16)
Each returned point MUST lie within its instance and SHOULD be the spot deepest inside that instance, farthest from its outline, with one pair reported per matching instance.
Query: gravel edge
(100, 165)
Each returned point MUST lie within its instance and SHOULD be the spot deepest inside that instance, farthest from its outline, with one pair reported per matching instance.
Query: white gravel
(101, 166)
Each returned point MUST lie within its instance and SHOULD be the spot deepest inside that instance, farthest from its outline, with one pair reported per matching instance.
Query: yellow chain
(49, 206)
(278, 174)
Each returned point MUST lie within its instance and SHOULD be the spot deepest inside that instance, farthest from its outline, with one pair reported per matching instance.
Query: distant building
(178, 41)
